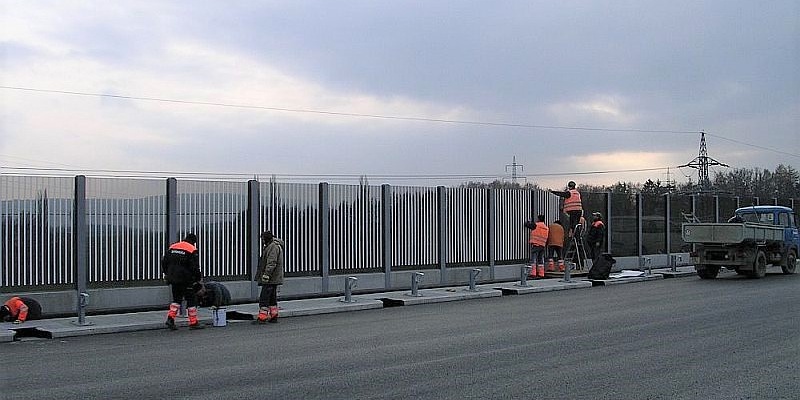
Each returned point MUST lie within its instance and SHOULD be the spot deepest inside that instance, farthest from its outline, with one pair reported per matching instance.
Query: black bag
(601, 267)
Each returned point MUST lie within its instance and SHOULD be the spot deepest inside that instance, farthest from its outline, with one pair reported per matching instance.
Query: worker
(555, 243)
(270, 276)
(20, 309)
(181, 268)
(596, 235)
(213, 294)
(572, 204)
(538, 241)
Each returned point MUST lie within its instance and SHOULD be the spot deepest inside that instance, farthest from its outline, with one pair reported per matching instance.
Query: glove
(16, 322)
(264, 278)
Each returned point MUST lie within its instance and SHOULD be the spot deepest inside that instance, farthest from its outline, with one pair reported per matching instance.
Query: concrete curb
(680, 272)
(152, 320)
(540, 286)
(7, 335)
(428, 296)
(617, 281)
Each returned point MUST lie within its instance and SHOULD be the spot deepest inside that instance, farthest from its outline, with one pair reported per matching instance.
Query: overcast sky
(461, 87)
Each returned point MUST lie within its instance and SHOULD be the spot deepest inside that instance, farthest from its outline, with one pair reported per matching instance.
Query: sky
(417, 93)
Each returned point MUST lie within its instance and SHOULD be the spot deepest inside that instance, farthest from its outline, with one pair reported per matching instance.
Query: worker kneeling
(20, 309)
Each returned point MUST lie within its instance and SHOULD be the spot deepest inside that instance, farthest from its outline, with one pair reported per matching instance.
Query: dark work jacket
(271, 262)
(215, 294)
(181, 264)
(597, 232)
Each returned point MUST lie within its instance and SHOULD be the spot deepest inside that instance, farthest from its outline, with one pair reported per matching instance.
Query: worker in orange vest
(596, 235)
(572, 205)
(555, 243)
(181, 268)
(538, 241)
(20, 309)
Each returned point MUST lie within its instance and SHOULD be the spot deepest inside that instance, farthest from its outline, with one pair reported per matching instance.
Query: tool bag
(601, 267)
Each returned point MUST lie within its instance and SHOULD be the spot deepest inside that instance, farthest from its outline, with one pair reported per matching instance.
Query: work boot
(273, 314)
(197, 326)
(551, 265)
(171, 324)
(540, 271)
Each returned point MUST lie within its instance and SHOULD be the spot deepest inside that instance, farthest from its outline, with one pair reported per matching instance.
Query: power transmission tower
(514, 166)
(701, 164)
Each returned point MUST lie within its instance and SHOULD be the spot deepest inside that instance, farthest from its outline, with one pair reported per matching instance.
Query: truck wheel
(759, 266)
(791, 263)
(708, 272)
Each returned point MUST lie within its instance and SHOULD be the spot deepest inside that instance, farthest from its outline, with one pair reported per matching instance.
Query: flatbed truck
(752, 239)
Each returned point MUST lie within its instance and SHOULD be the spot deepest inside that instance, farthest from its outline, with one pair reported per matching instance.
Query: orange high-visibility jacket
(17, 308)
(556, 235)
(539, 234)
(573, 202)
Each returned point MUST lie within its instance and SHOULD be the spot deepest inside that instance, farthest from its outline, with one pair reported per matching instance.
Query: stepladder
(576, 250)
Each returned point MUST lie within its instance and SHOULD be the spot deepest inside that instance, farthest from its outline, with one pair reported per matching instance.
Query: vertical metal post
(386, 234)
(253, 236)
(83, 303)
(491, 226)
(567, 276)
(668, 225)
(523, 275)
(473, 277)
(608, 223)
(415, 279)
(716, 208)
(645, 263)
(441, 217)
(324, 235)
(171, 229)
(639, 223)
(80, 242)
(349, 284)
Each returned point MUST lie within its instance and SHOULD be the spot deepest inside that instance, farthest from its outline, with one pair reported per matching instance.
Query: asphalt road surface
(729, 338)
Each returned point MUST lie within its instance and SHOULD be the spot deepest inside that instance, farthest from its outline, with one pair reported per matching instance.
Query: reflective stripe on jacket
(573, 202)
(539, 234)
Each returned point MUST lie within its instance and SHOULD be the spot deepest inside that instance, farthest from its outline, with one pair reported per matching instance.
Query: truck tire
(759, 266)
(708, 272)
(791, 263)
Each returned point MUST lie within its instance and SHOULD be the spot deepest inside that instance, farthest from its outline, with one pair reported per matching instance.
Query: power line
(239, 176)
(390, 117)
(346, 114)
(753, 145)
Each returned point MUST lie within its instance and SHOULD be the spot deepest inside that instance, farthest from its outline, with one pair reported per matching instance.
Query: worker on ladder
(572, 204)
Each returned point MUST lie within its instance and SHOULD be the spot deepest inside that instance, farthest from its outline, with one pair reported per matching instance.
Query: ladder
(576, 251)
(690, 217)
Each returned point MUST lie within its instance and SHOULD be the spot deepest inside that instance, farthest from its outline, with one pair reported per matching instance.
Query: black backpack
(601, 267)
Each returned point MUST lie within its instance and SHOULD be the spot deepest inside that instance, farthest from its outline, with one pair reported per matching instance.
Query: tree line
(783, 182)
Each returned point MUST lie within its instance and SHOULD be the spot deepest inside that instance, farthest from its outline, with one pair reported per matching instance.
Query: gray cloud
(728, 67)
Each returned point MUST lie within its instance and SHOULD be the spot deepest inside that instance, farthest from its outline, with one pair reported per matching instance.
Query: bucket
(218, 316)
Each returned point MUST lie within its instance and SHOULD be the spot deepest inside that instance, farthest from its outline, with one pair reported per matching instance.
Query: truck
(755, 237)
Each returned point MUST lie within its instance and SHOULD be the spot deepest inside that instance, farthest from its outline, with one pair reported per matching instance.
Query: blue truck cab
(785, 254)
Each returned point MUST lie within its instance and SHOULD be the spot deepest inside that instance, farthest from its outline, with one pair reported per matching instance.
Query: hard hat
(597, 215)
(571, 184)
